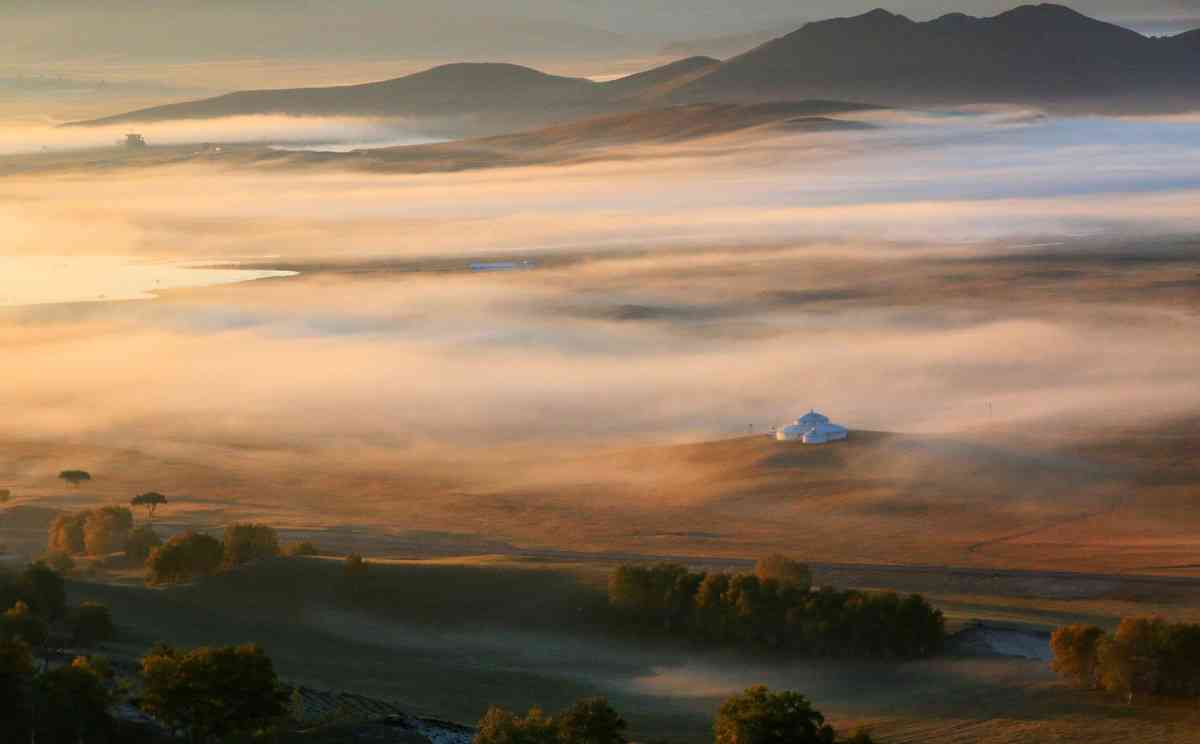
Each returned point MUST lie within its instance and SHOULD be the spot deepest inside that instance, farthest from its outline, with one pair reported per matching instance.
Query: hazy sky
(214, 29)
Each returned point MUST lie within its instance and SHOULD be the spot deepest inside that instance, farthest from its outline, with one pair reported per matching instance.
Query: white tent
(812, 428)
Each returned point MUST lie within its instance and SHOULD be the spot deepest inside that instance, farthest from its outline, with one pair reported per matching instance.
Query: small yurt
(812, 428)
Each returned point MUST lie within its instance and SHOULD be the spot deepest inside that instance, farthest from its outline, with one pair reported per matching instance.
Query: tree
(590, 721)
(301, 549)
(106, 529)
(499, 726)
(759, 716)
(151, 500)
(183, 558)
(43, 590)
(19, 623)
(141, 543)
(1076, 652)
(76, 701)
(790, 574)
(63, 563)
(5, 495)
(16, 678)
(245, 543)
(75, 477)
(66, 534)
(211, 692)
(91, 623)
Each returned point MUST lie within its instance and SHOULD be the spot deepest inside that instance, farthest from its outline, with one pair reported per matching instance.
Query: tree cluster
(774, 610)
(66, 705)
(588, 721)
(193, 554)
(756, 716)
(183, 558)
(246, 543)
(92, 532)
(211, 693)
(1145, 656)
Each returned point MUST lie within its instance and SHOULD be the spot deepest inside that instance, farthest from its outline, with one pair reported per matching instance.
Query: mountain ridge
(1044, 54)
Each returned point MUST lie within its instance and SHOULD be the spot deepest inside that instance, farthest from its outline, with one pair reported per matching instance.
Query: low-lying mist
(700, 290)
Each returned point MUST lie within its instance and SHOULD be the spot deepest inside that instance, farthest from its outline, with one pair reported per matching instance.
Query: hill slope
(1037, 54)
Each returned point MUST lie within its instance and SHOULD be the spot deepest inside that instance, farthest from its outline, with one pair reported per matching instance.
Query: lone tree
(151, 500)
(212, 693)
(759, 716)
(75, 477)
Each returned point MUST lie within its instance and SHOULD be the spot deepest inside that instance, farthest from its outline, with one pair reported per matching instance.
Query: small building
(812, 428)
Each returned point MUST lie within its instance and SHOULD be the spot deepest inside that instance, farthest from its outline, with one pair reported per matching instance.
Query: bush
(245, 543)
(141, 543)
(183, 558)
(91, 623)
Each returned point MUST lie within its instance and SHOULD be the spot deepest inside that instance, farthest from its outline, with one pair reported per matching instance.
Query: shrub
(91, 623)
(141, 543)
(183, 558)
(249, 542)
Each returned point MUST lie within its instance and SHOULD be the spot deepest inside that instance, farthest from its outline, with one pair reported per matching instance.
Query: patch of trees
(92, 532)
(588, 721)
(756, 716)
(194, 555)
(36, 603)
(775, 608)
(245, 543)
(211, 693)
(1145, 656)
(184, 558)
(66, 705)
(206, 694)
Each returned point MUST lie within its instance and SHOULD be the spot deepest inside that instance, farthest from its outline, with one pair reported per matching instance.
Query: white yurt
(812, 428)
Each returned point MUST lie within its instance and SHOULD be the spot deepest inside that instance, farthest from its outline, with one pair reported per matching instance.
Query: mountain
(465, 99)
(1035, 54)
(1044, 54)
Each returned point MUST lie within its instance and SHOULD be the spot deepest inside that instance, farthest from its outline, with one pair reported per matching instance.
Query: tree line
(755, 716)
(1145, 656)
(774, 607)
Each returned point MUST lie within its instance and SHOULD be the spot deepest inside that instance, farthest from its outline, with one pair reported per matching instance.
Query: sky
(190, 29)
